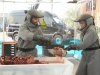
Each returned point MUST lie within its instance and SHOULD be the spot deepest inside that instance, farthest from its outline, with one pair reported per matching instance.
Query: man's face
(82, 24)
(35, 21)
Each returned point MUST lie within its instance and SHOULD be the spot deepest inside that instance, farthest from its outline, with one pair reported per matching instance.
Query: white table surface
(38, 69)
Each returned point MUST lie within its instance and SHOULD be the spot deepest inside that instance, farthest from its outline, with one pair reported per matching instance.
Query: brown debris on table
(58, 51)
(7, 60)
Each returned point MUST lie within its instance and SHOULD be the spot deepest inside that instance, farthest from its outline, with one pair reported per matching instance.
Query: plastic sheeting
(37, 69)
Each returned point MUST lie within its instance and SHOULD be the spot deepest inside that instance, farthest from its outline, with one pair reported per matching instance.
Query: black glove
(46, 41)
(43, 43)
(40, 43)
(41, 38)
(71, 47)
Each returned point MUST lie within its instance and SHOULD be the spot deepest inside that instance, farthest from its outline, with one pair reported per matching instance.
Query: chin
(35, 24)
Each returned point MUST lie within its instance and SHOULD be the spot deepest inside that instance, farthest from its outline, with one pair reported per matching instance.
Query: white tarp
(37, 69)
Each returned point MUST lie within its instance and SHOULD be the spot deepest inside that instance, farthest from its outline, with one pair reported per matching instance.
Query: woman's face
(82, 24)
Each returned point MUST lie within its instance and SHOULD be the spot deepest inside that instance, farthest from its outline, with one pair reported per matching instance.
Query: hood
(82, 17)
(28, 20)
(89, 22)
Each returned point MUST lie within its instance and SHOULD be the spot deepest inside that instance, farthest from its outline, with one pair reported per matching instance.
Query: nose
(36, 20)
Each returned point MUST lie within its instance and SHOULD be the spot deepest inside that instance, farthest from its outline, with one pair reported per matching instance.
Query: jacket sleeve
(25, 34)
(40, 32)
(89, 38)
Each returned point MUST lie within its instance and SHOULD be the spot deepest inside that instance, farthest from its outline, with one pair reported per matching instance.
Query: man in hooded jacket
(30, 34)
(90, 61)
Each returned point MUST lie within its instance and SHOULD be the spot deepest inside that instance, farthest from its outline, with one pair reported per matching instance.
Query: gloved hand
(42, 43)
(42, 39)
(46, 40)
(71, 47)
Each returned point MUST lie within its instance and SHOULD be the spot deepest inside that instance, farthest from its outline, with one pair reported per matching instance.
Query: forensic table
(65, 68)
